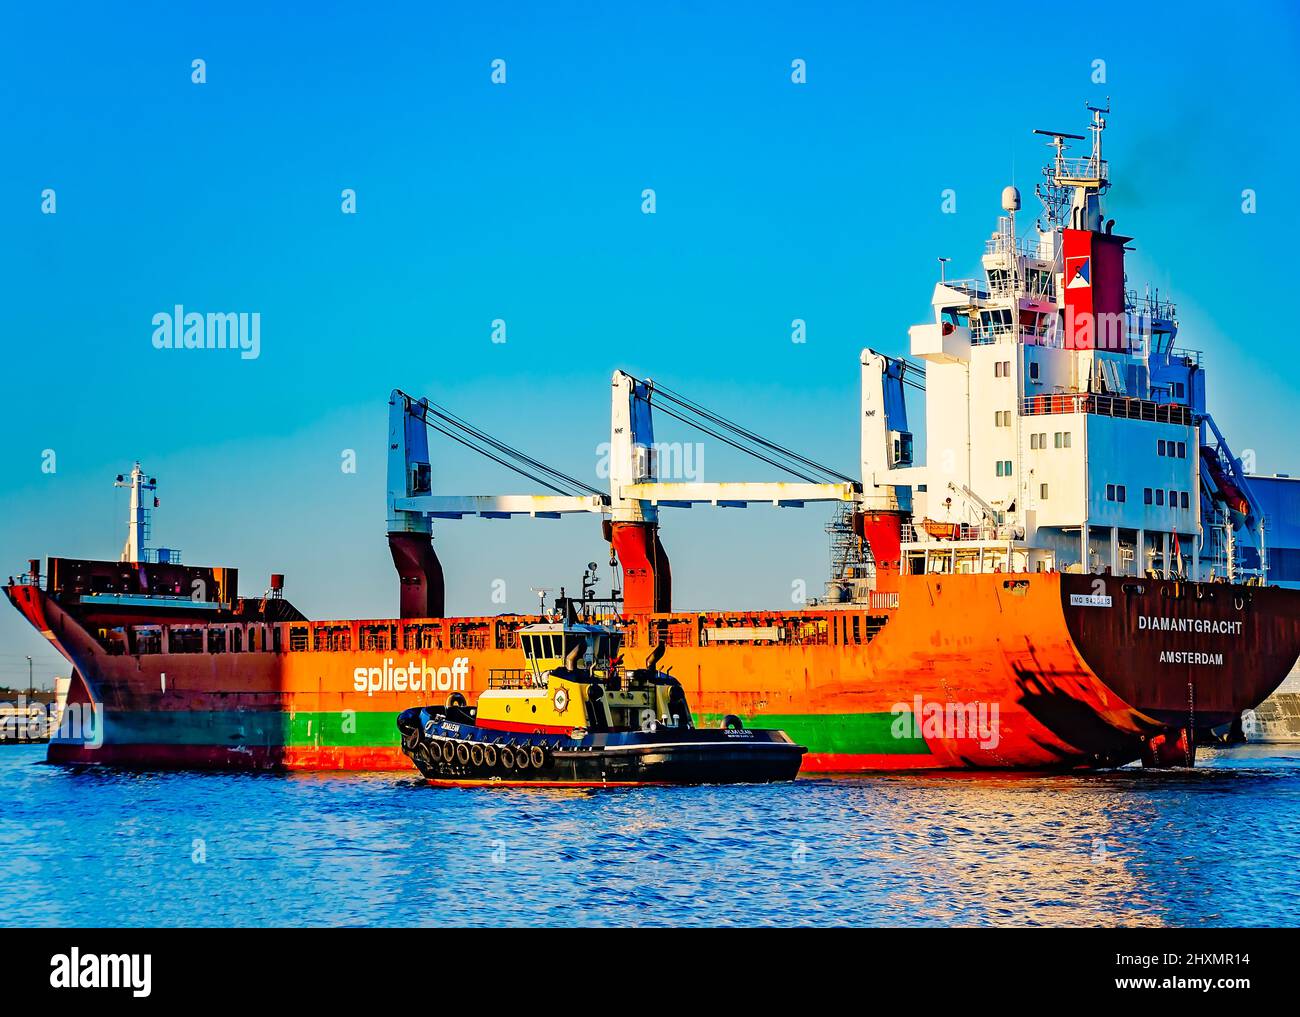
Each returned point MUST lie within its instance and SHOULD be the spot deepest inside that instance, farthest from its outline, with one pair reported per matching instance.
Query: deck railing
(1108, 406)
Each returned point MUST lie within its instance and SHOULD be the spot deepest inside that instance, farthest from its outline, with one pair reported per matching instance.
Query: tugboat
(575, 717)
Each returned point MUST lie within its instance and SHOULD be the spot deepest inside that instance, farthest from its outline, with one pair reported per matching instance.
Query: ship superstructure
(1065, 428)
(1074, 576)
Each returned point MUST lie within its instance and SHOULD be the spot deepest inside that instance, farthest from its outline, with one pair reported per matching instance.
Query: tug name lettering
(414, 677)
(1206, 625)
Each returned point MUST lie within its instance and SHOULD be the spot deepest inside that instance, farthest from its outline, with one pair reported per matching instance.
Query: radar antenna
(1067, 178)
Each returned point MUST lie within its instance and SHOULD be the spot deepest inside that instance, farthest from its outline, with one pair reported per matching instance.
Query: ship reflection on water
(1212, 846)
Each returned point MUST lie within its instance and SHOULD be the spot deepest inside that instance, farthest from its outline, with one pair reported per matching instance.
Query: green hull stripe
(852, 734)
(834, 733)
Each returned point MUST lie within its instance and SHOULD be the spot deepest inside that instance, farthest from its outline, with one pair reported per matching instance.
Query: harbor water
(1207, 847)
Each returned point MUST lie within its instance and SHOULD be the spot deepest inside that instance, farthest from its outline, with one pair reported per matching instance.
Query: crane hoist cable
(745, 440)
(442, 420)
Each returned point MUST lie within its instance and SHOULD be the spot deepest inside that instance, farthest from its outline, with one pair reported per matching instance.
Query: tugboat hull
(450, 753)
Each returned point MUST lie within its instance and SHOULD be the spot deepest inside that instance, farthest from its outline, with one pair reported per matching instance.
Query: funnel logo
(414, 677)
(1078, 273)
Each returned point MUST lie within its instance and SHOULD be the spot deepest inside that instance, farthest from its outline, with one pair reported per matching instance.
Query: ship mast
(137, 523)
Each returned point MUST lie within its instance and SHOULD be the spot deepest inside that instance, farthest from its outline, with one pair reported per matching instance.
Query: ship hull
(452, 754)
(1001, 671)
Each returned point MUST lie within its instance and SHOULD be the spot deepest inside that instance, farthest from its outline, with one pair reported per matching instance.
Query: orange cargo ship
(1076, 577)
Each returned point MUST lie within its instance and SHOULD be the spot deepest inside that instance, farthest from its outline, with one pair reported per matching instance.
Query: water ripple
(1131, 847)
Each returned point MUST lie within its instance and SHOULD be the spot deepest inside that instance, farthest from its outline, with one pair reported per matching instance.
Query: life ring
(537, 757)
(456, 699)
(732, 723)
(489, 755)
(448, 751)
(507, 757)
(476, 754)
(462, 753)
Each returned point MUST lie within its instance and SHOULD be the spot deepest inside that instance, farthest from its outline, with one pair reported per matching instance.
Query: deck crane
(636, 493)
(412, 505)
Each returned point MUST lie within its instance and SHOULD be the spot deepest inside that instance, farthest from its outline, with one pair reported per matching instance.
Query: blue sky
(522, 202)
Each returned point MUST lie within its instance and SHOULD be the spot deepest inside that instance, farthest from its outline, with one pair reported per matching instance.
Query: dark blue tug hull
(449, 748)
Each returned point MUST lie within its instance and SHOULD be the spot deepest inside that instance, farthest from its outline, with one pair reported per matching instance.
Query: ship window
(1160, 447)
(1001, 418)
(1004, 467)
(1110, 492)
(1033, 441)
(1184, 500)
(1042, 491)
(1033, 370)
(1182, 450)
(1160, 497)
(1173, 499)
(1146, 495)
(1122, 493)
(185, 641)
